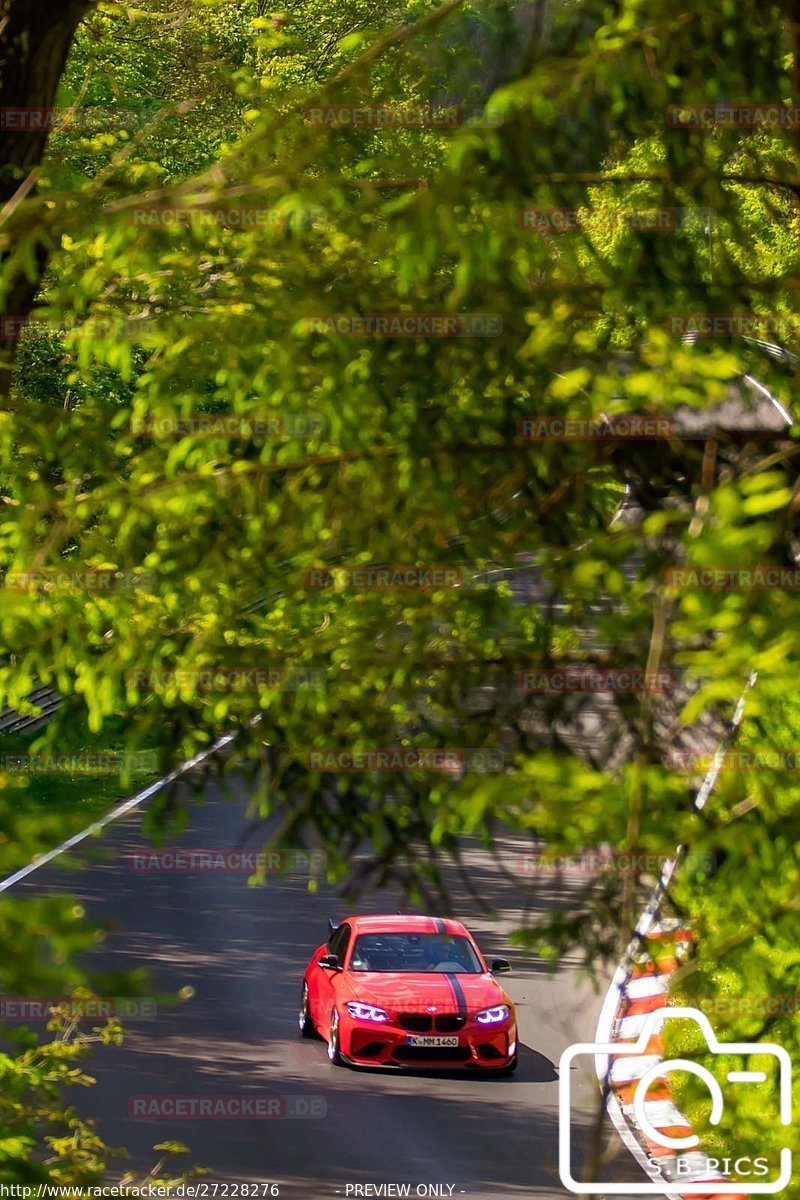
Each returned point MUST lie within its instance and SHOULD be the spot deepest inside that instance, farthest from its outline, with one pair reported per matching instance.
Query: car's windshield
(415, 952)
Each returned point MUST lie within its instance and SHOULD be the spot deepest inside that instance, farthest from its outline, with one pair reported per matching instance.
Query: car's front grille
(422, 1023)
(415, 1022)
(432, 1053)
(449, 1024)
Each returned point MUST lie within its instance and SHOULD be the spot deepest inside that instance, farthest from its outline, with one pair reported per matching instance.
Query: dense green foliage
(408, 450)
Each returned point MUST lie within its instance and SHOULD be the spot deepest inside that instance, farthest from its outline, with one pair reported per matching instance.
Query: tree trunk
(35, 38)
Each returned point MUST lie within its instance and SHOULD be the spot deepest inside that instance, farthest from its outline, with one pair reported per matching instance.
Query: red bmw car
(408, 992)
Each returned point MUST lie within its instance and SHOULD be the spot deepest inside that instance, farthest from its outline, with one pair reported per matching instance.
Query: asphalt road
(243, 951)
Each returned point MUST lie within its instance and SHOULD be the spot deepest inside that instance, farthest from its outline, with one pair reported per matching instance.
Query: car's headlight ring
(493, 1016)
(366, 1012)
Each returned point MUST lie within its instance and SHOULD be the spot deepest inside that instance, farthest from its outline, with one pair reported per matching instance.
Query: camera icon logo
(629, 1063)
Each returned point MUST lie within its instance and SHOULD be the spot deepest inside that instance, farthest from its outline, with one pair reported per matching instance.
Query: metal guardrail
(49, 700)
(648, 926)
(45, 698)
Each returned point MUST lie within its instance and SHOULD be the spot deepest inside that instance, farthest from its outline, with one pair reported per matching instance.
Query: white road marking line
(120, 811)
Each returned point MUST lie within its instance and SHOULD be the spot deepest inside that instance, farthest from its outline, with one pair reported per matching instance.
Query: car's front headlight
(493, 1016)
(366, 1012)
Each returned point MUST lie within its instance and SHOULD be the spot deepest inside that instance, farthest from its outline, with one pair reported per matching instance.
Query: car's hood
(407, 992)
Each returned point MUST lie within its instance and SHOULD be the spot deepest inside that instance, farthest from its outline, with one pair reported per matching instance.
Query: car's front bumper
(368, 1043)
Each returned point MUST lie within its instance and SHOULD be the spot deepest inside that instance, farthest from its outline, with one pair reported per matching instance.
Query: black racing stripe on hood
(439, 925)
(458, 994)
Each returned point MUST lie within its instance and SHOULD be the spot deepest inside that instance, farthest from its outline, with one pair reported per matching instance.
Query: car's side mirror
(500, 966)
(329, 962)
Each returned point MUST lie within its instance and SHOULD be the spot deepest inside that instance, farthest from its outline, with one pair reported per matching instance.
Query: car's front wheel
(307, 1029)
(334, 1053)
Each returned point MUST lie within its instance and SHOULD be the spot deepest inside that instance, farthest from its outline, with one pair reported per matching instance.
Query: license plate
(431, 1041)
